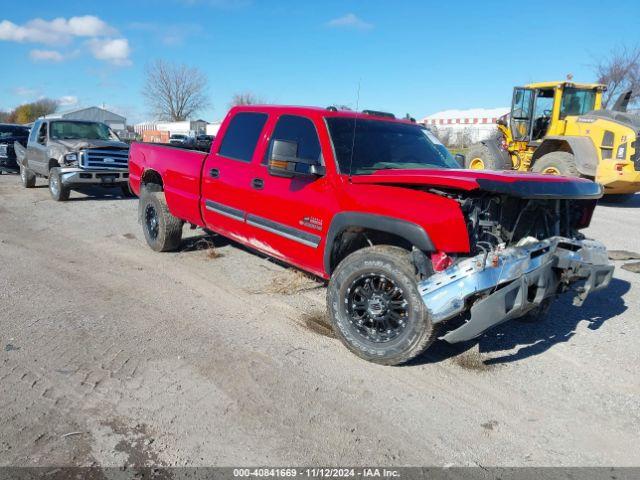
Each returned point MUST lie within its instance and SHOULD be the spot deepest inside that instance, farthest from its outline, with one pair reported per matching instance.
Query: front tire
(162, 230)
(557, 163)
(27, 177)
(375, 307)
(58, 191)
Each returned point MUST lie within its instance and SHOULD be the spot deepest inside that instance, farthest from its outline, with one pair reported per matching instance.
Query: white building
(188, 127)
(94, 114)
(212, 128)
(463, 127)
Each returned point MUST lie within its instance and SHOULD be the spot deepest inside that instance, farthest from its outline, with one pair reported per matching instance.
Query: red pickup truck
(410, 244)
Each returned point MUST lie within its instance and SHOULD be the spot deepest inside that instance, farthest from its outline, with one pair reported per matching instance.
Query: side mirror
(284, 161)
(460, 158)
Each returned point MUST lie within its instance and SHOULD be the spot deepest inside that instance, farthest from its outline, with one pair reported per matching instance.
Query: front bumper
(8, 163)
(72, 177)
(506, 284)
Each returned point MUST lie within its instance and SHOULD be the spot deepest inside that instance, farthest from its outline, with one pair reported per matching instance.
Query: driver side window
(300, 130)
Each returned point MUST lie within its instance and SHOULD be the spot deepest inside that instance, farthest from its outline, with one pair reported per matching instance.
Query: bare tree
(245, 98)
(175, 92)
(619, 71)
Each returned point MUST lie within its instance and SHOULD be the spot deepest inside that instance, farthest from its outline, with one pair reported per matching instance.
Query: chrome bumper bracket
(506, 284)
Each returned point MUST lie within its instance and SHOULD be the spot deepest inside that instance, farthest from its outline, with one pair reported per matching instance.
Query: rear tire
(375, 307)
(480, 157)
(557, 163)
(27, 177)
(162, 230)
(58, 191)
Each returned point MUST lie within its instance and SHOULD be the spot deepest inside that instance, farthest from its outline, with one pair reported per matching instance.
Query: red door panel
(227, 174)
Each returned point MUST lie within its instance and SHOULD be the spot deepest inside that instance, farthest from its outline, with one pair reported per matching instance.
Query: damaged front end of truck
(526, 248)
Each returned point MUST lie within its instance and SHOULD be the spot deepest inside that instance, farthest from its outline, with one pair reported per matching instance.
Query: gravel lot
(111, 354)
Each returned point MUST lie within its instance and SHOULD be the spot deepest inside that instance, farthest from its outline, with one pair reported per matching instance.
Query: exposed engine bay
(500, 220)
(523, 253)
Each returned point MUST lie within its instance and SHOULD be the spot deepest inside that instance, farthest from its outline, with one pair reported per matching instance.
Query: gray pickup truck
(72, 154)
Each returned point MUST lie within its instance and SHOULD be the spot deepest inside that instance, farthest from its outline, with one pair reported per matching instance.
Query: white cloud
(46, 56)
(61, 32)
(115, 51)
(26, 91)
(350, 20)
(90, 26)
(58, 31)
(68, 101)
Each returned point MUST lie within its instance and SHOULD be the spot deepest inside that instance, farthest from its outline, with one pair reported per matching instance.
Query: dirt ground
(112, 354)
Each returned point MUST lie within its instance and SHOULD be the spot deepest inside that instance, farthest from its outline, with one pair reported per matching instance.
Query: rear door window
(242, 136)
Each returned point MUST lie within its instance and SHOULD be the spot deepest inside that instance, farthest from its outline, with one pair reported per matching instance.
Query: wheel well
(356, 238)
(53, 163)
(152, 179)
(549, 146)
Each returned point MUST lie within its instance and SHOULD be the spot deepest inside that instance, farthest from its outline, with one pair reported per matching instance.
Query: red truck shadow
(530, 339)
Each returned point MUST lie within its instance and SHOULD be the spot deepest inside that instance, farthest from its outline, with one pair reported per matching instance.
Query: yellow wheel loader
(560, 128)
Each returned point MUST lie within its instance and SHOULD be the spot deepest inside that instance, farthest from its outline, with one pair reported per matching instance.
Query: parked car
(410, 244)
(9, 134)
(72, 154)
(182, 140)
(203, 142)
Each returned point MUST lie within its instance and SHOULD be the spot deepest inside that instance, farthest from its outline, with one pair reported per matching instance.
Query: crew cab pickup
(378, 207)
(71, 154)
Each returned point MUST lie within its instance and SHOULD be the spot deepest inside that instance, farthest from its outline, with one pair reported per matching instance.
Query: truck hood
(516, 184)
(82, 144)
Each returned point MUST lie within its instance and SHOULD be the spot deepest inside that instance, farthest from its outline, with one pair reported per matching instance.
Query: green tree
(28, 112)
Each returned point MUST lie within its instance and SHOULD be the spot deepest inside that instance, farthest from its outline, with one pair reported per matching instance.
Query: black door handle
(257, 183)
(214, 173)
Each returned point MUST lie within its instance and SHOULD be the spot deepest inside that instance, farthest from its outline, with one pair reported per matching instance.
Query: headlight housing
(71, 159)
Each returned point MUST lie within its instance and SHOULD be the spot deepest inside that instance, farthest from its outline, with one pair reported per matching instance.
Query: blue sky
(408, 56)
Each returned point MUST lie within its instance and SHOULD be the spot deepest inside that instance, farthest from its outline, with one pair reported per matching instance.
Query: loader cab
(538, 110)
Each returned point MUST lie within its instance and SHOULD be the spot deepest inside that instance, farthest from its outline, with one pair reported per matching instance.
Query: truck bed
(179, 168)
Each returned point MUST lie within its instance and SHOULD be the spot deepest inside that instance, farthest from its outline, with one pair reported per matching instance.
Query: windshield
(178, 137)
(81, 131)
(8, 131)
(385, 145)
(577, 102)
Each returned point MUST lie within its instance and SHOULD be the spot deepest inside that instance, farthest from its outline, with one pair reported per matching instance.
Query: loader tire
(557, 163)
(375, 308)
(162, 230)
(481, 158)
